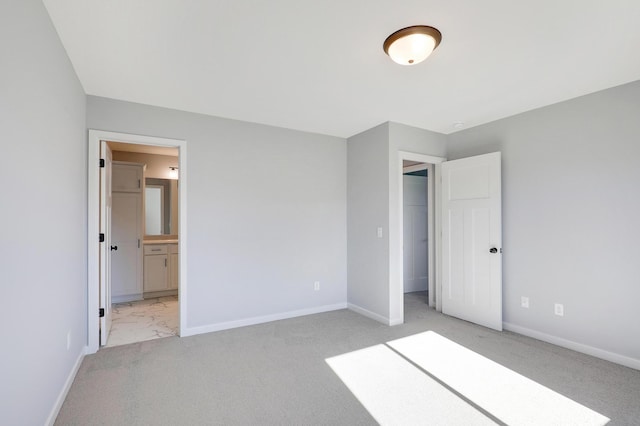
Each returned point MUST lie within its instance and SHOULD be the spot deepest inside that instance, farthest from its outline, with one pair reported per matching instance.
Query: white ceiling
(319, 66)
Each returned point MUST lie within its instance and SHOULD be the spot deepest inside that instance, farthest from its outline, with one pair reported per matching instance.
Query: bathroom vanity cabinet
(160, 269)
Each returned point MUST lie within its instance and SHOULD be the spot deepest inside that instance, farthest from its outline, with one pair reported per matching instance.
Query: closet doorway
(415, 191)
(411, 238)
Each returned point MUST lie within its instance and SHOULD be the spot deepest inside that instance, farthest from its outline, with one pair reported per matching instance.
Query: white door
(472, 240)
(126, 234)
(105, 252)
(415, 220)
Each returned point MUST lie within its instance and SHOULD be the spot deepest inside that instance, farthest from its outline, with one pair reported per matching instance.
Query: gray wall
(413, 139)
(43, 214)
(373, 182)
(571, 197)
(266, 211)
(368, 209)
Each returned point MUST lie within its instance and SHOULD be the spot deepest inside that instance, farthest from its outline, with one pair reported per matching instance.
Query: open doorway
(137, 277)
(415, 190)
(143, 243)
(417, 174)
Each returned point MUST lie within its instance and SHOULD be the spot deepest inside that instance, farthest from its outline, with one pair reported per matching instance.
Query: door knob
(114, 248)
(493, 250)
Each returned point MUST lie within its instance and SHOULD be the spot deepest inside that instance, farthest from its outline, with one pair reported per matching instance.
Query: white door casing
(105, 251)
(472, 239)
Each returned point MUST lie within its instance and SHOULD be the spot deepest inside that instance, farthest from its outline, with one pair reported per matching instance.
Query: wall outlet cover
(524, 302)
(559, 309)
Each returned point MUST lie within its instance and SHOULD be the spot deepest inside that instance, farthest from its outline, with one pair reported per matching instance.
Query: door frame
(93, 225)
(396, 252)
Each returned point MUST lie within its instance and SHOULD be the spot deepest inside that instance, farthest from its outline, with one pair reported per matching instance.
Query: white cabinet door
(472, 240)
(126, 234)
(155, 272)
(173, 266)
(127, 177)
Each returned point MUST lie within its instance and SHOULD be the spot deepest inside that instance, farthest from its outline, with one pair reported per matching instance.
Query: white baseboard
(192, 331)
(414, 288)
(65, 389)
(126, 298)
(396, 321)
(367, 313)
(162, 293)
(578, 347)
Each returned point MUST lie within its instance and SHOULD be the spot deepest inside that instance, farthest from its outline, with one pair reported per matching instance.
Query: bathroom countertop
(160, 241)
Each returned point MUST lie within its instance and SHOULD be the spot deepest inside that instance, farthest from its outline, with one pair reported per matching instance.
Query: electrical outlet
(316, 285)
(379, 232)
(524, 302)
(559, 309)
(68, 339)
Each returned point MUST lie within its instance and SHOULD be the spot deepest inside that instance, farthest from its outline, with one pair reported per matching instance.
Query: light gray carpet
(276, 373)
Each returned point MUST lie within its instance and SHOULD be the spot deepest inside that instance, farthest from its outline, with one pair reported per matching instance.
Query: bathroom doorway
(145, 278)
(142, 295)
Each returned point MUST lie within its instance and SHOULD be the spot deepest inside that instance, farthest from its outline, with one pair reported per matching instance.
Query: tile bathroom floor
(143, 320)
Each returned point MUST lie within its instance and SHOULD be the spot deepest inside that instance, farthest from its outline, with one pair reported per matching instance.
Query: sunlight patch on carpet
(428, 379)
(507, 395)
(397, 393)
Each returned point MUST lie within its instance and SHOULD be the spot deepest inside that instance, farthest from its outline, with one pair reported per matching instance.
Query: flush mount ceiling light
(412, 45)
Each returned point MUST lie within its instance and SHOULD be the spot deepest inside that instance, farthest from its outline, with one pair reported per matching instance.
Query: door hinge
(102, 162)
(101, 312)
(101, 237)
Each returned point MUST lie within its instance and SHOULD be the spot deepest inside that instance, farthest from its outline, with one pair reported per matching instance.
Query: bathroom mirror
(160, 206)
